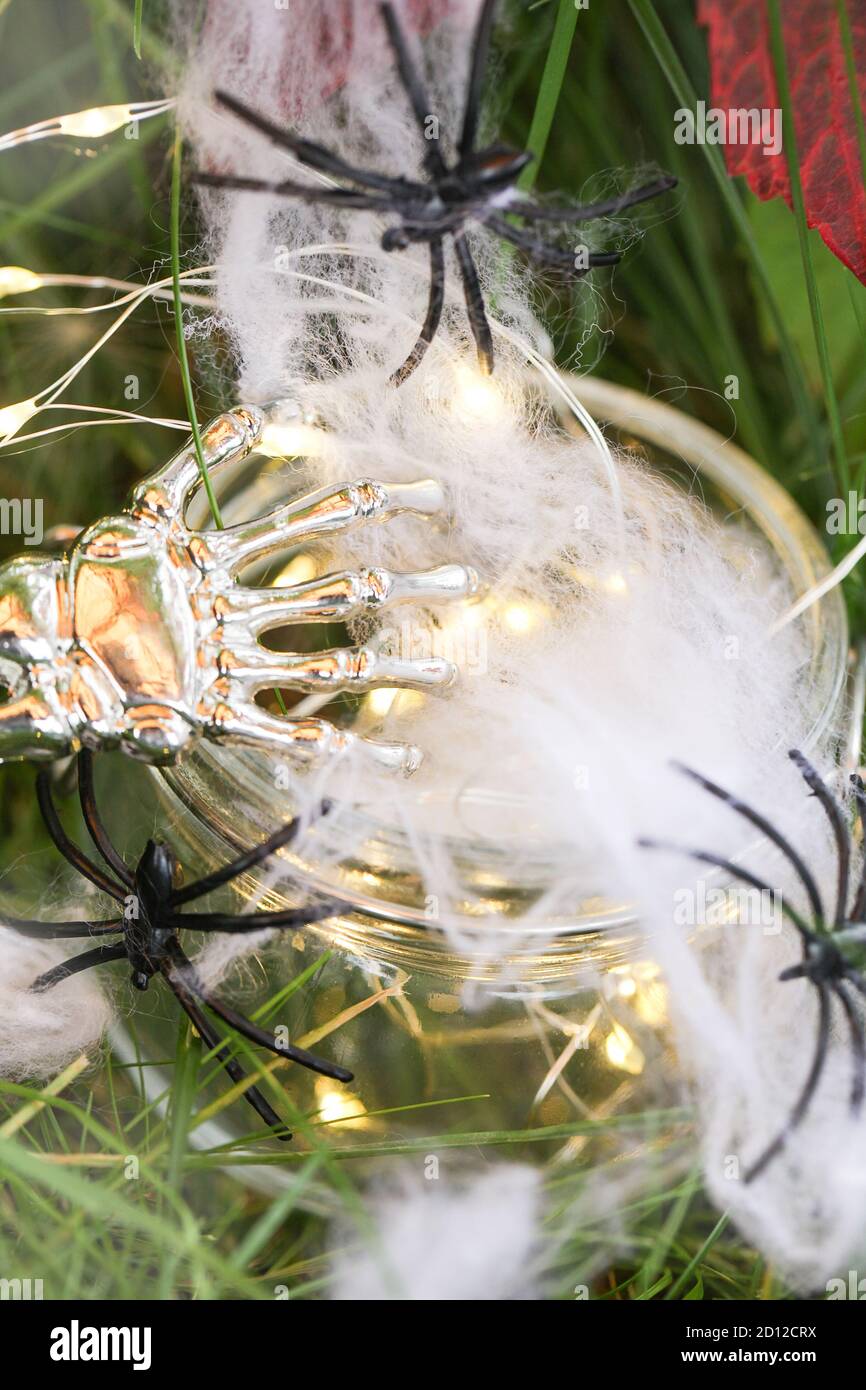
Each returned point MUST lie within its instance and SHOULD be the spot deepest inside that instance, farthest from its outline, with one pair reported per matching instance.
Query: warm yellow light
(335, 1105)
(613, 583)
(518, 618)
(12, 417)
(651, 1003)
(623, 1052)
(94, 122)
(641, 984)
(476, 397)
(298, 570)
(521, 616)
(292, 440)
(14, 279)
(380, 701)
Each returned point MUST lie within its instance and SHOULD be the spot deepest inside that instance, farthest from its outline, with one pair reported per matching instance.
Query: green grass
(721, 286)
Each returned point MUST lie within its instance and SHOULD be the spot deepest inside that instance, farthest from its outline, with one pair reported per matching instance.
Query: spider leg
(858, 1048)
(474, 303)
(413, 87)
(856, 979)
(543, 253)
(766, 828)
(477, 67)
(76, 857)
(859, 905)
(837, 822)
(249, 860)
(211, 1040)
(314, 155)
(433, 316)
(331, 197)
(59, 931)
(93, 820)
(736, 871)
(100, 955)
(254, 921)
(586, 212)
(182, 970)
(805, 1097)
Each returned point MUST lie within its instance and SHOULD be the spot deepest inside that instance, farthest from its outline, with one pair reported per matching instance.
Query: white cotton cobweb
(41, 1033)
(445, 1237)
(622, 625)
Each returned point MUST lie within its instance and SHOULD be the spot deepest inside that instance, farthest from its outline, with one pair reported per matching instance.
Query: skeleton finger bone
(339, 597)
(305, 740)
(250, 669)
(317, 516)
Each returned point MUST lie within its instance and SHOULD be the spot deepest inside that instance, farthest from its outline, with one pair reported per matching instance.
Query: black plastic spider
(150, 924)
(479, 186)
(832, 949)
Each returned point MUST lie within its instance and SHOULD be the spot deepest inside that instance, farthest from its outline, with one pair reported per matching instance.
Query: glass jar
(575, 1036)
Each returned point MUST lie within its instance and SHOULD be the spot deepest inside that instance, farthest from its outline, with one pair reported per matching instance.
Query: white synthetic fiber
(41, 1033)
(746, 1043)
(642, 625)
(453, 1239)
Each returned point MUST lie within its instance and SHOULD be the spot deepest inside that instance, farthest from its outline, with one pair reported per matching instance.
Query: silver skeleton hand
(142, 638)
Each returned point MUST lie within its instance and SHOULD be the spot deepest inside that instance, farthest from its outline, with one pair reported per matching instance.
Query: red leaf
(743, 77)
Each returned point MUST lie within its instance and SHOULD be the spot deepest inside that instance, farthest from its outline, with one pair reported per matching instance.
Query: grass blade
(551, 86)
(181, 340)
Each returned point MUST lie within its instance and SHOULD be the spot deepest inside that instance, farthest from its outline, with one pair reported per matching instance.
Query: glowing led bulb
(12, 417)
(476, 397)
(623, 1052)
(95, 122)
(334, 1105)
(522, 615)
(518, 617)
(14, 279)
(380, 701)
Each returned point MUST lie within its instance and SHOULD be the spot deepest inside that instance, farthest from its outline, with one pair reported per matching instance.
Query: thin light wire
(56, 388)
(90, 124)
(96, 282)
(824, 586)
